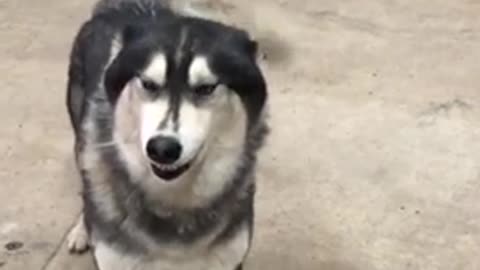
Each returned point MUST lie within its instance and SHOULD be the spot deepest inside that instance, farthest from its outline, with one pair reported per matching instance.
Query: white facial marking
(226, 147)
(200, 73)
(151, 115)
(194, 124)
(157, 69)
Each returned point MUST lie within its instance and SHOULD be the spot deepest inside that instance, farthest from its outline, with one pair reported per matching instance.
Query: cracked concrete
(373, 159)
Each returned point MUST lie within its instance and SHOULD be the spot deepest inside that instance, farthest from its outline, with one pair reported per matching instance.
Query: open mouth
(169, 173)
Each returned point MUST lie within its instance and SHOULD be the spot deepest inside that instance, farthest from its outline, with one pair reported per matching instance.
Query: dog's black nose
(164, 150)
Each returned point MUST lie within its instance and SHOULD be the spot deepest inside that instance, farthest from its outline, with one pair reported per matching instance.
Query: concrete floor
(373, 160)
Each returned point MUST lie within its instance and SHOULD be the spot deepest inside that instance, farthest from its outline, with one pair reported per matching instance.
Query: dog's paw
(77, 240)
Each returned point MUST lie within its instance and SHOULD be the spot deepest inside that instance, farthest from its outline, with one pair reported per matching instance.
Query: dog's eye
(150, 86)
(205, 90)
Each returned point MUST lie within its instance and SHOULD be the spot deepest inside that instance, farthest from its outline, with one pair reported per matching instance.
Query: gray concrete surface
(374, 158)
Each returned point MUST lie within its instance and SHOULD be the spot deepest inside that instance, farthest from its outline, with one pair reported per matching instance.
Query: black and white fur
(139, 70)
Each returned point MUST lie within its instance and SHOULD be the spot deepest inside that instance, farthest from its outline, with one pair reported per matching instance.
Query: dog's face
(183, 93)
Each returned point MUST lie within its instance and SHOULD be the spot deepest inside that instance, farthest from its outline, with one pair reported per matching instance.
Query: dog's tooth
(167, 167)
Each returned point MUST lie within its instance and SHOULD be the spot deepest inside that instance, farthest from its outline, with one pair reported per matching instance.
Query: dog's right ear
(131, 58)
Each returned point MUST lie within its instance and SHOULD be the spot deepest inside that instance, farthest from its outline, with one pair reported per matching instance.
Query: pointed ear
(128, 61)
(123, 68)
(236, 64)
(116, 77)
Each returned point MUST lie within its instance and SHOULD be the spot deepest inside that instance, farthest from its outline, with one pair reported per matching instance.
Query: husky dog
(168, 115)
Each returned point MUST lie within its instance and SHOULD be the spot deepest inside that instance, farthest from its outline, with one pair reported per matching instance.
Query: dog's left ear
(235, 62)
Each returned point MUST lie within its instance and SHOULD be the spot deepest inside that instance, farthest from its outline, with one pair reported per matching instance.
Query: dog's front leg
(77, 240)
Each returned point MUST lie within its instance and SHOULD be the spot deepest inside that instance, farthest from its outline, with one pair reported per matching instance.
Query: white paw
(77, 240)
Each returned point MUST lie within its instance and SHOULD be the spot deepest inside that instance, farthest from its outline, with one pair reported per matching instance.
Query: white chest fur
(225, 256)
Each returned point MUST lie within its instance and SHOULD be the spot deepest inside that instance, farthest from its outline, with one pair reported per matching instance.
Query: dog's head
(184, 92)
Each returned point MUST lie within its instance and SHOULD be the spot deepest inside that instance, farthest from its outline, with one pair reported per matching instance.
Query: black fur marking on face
(178, 77)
